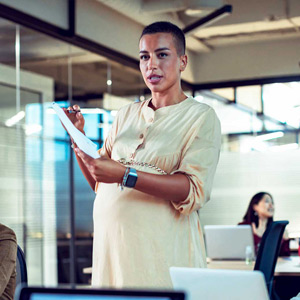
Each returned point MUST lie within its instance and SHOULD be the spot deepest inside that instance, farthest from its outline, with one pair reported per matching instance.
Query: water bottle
(248, 255)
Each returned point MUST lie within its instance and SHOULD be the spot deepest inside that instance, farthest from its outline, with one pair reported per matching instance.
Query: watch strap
(130, 178)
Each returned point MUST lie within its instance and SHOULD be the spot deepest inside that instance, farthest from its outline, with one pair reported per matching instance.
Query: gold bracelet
(142, 164)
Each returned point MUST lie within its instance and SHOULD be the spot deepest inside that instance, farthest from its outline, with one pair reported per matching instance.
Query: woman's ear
(183, 62)
(255, 208)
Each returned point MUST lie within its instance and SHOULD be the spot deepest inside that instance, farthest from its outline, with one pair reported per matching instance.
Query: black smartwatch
(130, 178)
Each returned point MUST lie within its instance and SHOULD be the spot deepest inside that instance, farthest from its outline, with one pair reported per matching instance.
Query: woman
(259, 215)
(155, 171)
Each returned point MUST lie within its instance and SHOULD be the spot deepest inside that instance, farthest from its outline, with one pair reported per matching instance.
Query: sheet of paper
(84, 144)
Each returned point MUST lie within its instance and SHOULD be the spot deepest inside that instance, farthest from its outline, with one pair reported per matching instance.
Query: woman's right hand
(76, 118)
(261, 228)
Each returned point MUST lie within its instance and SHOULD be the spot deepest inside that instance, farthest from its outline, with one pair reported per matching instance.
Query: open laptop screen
(228, 241)
(38, 296)
(40, 293)
(206, 284)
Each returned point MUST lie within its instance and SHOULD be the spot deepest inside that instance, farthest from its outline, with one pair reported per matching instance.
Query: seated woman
(259, 215)
(8, 255)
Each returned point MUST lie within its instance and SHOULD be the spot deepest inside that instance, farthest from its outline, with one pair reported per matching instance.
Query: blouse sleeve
(199, 162)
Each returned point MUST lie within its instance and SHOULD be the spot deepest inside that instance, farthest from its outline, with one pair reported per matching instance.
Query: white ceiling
(249, 22)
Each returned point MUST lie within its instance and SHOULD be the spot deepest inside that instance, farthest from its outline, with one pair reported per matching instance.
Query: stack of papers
(84, 144)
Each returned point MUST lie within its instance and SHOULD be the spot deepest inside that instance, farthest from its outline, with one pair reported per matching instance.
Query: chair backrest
(269, 250)
(21, 267)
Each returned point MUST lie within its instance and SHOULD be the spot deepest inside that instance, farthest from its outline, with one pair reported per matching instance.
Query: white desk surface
(286, 266)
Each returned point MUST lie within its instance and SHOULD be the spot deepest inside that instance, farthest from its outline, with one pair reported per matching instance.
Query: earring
(255, 213)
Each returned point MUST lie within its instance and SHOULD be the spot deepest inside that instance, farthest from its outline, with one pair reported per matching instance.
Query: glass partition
(42, 190)
(250, 96)
(282, 102)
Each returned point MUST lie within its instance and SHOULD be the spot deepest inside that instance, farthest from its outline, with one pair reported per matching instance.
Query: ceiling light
(270, 136)
(15, 119)
(109, 82)
(194, 12)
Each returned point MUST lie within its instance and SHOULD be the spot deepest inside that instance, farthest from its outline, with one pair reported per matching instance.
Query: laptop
(228, 241)
(208, 284)
(41, 293)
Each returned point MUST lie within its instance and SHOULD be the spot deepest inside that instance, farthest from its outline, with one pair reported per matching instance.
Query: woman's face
(159, 62)
(265, 207)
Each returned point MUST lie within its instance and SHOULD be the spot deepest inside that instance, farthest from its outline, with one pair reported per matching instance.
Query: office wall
(240, 175)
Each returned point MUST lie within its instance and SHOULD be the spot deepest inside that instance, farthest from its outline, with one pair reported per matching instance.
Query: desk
(286, 266)
(287, 273)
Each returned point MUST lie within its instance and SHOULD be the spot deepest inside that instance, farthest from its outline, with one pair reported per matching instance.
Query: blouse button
(150, 120)
(141, 136)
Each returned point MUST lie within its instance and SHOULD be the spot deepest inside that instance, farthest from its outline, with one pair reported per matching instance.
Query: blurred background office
(244, 63)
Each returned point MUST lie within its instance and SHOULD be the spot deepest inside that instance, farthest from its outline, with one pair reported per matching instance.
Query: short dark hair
(250, 215)
(167, 27)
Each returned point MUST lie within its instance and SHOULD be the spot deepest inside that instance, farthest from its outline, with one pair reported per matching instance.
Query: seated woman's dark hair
(251, 215)
(167, 27)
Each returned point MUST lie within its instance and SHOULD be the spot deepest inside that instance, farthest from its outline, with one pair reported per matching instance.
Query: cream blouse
(137, 237)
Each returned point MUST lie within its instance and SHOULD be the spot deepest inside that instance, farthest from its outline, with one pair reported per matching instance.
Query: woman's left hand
(103, 169)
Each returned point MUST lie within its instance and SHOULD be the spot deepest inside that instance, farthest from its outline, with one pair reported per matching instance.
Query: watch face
(131, 179)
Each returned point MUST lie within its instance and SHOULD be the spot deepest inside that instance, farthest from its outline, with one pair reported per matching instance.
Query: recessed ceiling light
(194, 12)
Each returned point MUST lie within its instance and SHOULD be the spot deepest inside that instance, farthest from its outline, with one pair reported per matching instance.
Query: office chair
(268, 253)
(21, 267)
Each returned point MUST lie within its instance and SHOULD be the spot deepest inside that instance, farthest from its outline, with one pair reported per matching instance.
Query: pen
(73, 111)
